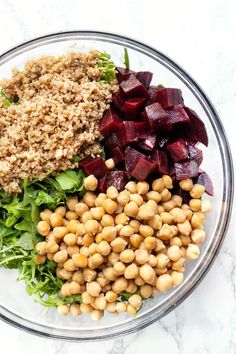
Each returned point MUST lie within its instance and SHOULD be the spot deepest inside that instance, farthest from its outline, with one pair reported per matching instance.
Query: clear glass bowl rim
(228, 191)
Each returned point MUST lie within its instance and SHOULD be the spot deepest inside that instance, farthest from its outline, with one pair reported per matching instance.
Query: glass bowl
(16, 307)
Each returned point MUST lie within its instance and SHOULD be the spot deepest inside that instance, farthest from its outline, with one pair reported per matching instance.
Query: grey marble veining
(201, 36)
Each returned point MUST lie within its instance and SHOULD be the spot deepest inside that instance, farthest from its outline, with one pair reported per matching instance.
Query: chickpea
(131, 310)
(167, 180)
(86, 308)
(162, 260)
(158, 185)
(119, 285)
(152, 204)
(127, 256)
(74, 288)
(177, 278)
(100, 302)
(41, 248)
(178, 264)
(88, 239)
(93, 288)
(59, 232)
(71, 215)
(165, 195)
(123, 198)
(112, 193)
(135, 240)
(118, 244)
(136, 301)
(169, 205)
(109, 273)
(43, 228)
(131, 272)
(121, 307)
(122, 219)
(197, 191)
(155, 222)
(119, 268)
(196, 221)
(111, 307)
(185, 228)
(85, 251)
(109, 206)
(139, 281)
(198, 236)
(142, 187)
(89, 275)
(89, 199)
(80, 260)
(186, 184)
(78, 277)
(178, 200)
(99, 238)
(104, 248)
(175, 241)
(61, 210)
(90, 183)
(70, 265)
(178, 215)
(174, 253)
(195, 204)
(93, 248)
(87, 298)
(52, 247)
(147, 273)
(102, 281)
(96, 260)
(166, 232)
(205, 206)
(119, 209)
(60, 256)
(109, 233)
(152, 260)
(70, 239)
(141, 256)
(164, 283)
(45, 215)
(166, 218)
(150, 243)
(146, 230)
(65, 274)
(39, 259)
(126, 231)
(91, 226)
(107, 220)
(74, 310)
(146, 291)
(160, 271)
(160, 246)
(160, 209)
(100, 199)
(110, 164)
(81, 208)
(63, 310)
(113, 258)
(97, 213)
(131, 209)
(146, 212)
(136, 198)
(188, 214)
(131, 187)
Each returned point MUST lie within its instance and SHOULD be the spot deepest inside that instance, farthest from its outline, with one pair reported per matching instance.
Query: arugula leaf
(75, 159)
(71, 180)
(107, 68)
(25, 242)
(7, 101)
(126, 58)
(43, 198)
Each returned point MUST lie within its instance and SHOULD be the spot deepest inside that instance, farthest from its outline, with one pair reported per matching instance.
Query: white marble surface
(201, 36)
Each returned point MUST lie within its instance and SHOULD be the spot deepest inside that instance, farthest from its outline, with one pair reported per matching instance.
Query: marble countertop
(201, 37)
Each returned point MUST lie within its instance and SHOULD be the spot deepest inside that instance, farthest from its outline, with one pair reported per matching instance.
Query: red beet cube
(145, 77)
(102, 184)
(169, 97)
(137, 165)
(133, 105)
(177, 150)
(123, 74)
(117, 179)
(111, 141)
(149, 143)
(117, 154)
(119, 99)
(109, 123)
(127, 133)
(132, 87)
(195, 154)
(156, 118)
(177, 114)
(205, 180)
(186, 169)
(93, 166)
(161, 162)
(196, 130)
(152, 94)
(142, 130)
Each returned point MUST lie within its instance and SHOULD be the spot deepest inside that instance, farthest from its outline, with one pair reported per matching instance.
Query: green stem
(6, 249)
(11, 259)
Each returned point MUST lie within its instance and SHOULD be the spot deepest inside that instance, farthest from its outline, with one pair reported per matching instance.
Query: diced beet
(177, 150)
(93, 166)
(177, 114)
(196, 130)
(119, 99)
(111, 141)
(102, 184)
(117, 179)
(161, 162)
(127, 133)
(195, 154)
(156, 118)
(145, 77)
(169, 97)
(186, 169)
(122, 73)
(132, 106)
(109, 123)
(131, 158)
(152, 94)
(117, 154)
(205, 180)
(143, 168)
(132, 87)
(149, 143)
(142, 130)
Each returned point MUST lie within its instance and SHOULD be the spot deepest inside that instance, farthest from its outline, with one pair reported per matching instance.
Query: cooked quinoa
(61, 102)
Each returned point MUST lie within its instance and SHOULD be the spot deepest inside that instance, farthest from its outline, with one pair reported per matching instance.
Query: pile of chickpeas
(134, 241)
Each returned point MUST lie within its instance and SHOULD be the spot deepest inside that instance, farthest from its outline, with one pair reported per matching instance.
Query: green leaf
(126, 58)
(75, 159)
(25, 242)
(107, 68)
(160, 86)
(6, 102)
(43, 198)
(125, 296)
(71, 180)
(11, 220)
